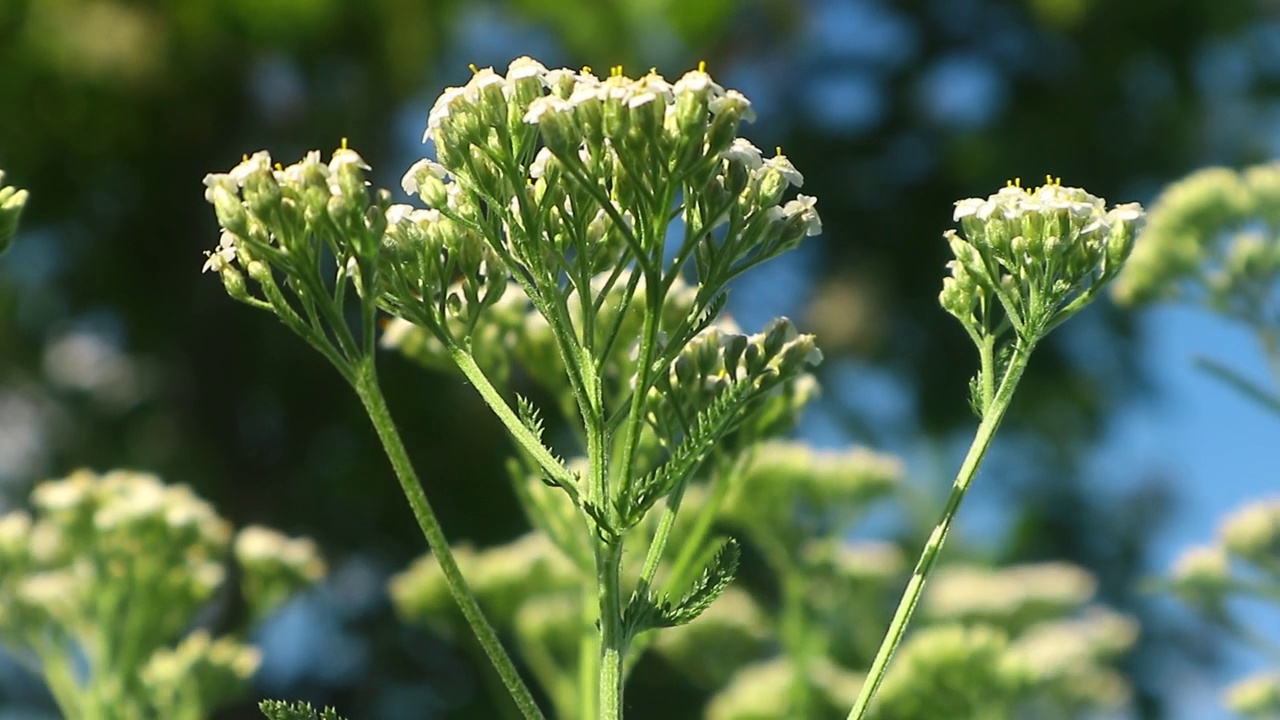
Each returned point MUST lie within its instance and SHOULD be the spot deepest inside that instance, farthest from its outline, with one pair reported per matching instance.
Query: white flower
(967, 208)
(697, 81)
(222, 257)
(525, 67)
(257, 162)
(543, 106)
(732, 99)
(64, 494)
(584, 93)
(343, 157)
(539, 164)
(413, 176)
(15, 528)
(212, 181)
(296, 172)
(398, 212)
(482, 79)
(744, 152)
(442, 108)
(781, 165)
(805, 207)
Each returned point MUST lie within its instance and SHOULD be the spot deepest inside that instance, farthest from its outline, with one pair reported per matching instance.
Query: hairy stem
(367, 388)
(991, 417)
(613, 638)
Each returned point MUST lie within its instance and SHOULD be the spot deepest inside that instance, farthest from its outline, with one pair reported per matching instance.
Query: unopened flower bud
(229, 209)
(262, 192)
(728, 112)
(347, 174)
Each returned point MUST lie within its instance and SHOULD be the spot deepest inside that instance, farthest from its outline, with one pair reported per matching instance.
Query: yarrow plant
(590, 227)
(1214, 239)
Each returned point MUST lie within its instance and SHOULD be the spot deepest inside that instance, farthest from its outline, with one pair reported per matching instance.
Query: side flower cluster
(12, 200)
(1242, 562)
(111, 571)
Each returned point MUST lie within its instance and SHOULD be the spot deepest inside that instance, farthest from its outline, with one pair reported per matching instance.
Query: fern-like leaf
(280, 710)
(529, 415)
(645, 612)
(713, 423)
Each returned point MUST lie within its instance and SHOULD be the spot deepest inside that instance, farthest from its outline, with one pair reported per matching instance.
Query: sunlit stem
(991, 417)
(366, 385)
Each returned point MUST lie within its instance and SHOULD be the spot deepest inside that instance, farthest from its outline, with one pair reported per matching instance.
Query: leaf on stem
(645, 612)
(280, 710)
(712, 424)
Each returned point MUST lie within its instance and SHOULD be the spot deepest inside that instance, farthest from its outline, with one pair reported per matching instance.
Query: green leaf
(529, 415)
(975, 395)
(280, 710)
(645, 612)
(531, 418)
(713, 423)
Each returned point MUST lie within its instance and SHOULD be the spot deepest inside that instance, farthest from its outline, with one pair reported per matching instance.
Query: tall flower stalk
(619, 209)
(1025, 262)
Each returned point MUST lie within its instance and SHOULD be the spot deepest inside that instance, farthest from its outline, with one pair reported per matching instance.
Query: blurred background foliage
(116, 352)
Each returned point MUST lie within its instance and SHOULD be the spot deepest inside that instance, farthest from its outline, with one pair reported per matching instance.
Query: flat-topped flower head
(1042, 253)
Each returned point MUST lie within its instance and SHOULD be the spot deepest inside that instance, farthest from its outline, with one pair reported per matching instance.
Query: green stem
(521, 434)
(613, 638)
(366, 387)
(991, 418)
(588, 658)
(795, 631)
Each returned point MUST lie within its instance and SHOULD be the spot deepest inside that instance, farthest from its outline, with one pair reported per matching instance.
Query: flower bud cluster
(12, 200)
(1212, 236)
(122, 560)
(791, 492)
(281, 218)
(493, 337)
(501, 577)
(274, 566)
(581, 171)
(1245, 556)
(1073, 658)
(1040, 254)
(720, 357)
(1015, 595)
(970, 671)
(441, 273)
(764, 689)
(214, 670)
(1242, 563)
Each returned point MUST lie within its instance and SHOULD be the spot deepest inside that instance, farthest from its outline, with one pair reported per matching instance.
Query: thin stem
(991, 418)
(519, 432)
(1245, 386)
(588, 658)
(366, 386)
(795, 631)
